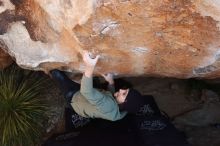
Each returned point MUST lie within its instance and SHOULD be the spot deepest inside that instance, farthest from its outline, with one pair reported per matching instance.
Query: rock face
(5, 59)
(134, 37)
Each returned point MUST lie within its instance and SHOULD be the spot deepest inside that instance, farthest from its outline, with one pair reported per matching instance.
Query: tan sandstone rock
(175, 38)
(5, 59)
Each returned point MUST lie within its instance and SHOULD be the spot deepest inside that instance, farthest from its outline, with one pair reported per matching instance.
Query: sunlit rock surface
(134, 37)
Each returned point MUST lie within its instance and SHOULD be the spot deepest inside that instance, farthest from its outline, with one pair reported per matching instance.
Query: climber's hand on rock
(109, 77)
(89, 59)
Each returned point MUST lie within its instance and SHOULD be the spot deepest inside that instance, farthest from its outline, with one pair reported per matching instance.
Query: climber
(145, 121)
(89, 102)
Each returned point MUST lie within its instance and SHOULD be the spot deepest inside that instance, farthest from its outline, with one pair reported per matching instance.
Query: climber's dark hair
(121, 83)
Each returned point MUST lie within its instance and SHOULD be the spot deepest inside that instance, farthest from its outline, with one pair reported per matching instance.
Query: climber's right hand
(89, 59)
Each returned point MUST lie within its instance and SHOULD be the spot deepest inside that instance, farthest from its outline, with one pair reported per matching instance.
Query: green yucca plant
(22, 107)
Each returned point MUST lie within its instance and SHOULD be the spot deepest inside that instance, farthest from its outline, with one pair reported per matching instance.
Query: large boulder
(205, 115)
(5, 59)
(134, 37)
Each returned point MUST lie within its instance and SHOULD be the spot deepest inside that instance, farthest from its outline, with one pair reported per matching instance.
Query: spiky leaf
(22, 107)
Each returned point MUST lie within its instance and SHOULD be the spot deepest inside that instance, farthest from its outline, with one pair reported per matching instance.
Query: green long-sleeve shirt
(90, 102)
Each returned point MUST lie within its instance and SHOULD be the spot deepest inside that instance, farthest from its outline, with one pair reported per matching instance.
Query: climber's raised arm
(90, 63)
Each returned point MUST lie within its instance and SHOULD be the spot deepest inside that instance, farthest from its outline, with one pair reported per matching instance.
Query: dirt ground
(193, 107)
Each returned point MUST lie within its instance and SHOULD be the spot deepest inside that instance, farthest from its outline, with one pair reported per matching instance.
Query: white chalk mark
(106, 27)
(139, 50)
